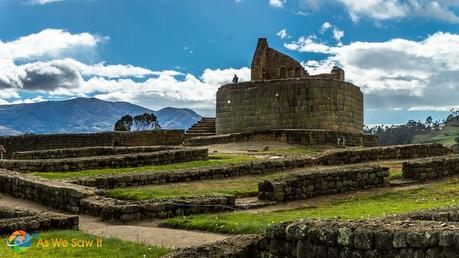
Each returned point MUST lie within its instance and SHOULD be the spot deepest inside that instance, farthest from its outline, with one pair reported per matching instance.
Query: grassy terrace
(109, 247)
(214, 160)
(391, 201)
(243, 186)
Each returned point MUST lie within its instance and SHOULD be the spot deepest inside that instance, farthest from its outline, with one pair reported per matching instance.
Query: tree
(124, 124)
(146, 121)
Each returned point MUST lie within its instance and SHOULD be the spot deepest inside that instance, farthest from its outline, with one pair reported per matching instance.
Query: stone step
(190, 135)
(200, 131)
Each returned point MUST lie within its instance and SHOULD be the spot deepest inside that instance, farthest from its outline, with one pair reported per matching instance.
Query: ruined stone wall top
(270, 64)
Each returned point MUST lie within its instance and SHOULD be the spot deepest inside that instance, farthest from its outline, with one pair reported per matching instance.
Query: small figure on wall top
(235, 79)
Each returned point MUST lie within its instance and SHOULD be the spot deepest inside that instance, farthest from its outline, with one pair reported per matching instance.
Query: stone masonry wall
(79, 199)
(362, 238)
(15, 219)
(60, 141)
(432, 168)
(320, 182)
(352, 156)
(305, 103)
(58, 195)
(100, 162)
(86, 152)
(124, 211)
(292, 136)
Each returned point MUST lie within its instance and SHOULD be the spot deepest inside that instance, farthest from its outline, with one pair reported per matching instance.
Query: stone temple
(282, 95)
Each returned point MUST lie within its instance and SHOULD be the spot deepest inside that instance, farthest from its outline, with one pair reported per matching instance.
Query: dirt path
(146, 232)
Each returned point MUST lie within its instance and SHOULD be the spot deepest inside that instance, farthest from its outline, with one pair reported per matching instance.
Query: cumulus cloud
(398, 73)
(33, 64)
(392, 9)
(49, 43)
(277, 3)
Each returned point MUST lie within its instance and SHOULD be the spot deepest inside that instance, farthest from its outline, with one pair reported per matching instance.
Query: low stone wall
(15, 219)
(185, 175)
(412, 151)
(364, 238)
(428, 169)
(339, 157)
(320, 182)
(79, 199)
(58, 195)
(86, 152)
(243, 246)
(291, 136)
(100, 162)
(32, 142)
(124, 211)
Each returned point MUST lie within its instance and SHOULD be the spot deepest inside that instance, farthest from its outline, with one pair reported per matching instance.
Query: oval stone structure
(301, 103)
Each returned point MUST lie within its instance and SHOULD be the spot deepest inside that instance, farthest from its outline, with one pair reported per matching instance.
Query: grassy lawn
(360, 206)
(214, 160)
(243, 186)
(109, 247)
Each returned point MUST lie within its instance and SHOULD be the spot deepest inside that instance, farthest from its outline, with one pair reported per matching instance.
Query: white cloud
(308, 44)
(397, 73)
(43, 2)
(49, 43)
(338, 34)
(282, 34)
(325, 27)
(379, 10)
(277, 3)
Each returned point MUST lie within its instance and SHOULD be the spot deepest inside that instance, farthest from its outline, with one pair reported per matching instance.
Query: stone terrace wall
(319, 182)
(79, 199)
(86, 152)
(412, 151)
(351, 156)
(364, 238)
(14, 219)
(305, 103)
(58, 195)
(99, 162)
(60, 141)
(428, 169)
(291, 136)
(125, 211)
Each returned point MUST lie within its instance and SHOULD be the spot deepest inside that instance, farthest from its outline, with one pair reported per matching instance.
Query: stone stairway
(204, 127)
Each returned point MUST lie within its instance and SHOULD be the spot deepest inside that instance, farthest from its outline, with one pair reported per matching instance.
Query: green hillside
(445, 136)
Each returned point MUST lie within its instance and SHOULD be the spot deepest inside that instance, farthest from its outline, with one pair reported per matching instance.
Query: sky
(404, 54)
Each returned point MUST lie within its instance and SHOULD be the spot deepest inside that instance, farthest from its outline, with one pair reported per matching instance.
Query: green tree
(124, 124)
(146, 121)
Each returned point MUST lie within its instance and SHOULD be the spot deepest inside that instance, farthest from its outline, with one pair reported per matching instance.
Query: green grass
(109, 248)
(240, 186)
(446, 136)
(214, 160)
(360, 206)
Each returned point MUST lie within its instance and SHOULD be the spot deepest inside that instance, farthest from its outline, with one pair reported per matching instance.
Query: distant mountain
(82, 115)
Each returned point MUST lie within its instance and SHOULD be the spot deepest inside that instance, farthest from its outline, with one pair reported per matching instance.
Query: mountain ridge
(83, 115)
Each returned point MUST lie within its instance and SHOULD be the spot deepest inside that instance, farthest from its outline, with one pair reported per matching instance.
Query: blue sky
(404, 54)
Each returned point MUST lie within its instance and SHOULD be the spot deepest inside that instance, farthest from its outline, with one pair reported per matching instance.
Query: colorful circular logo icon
(19, 241)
